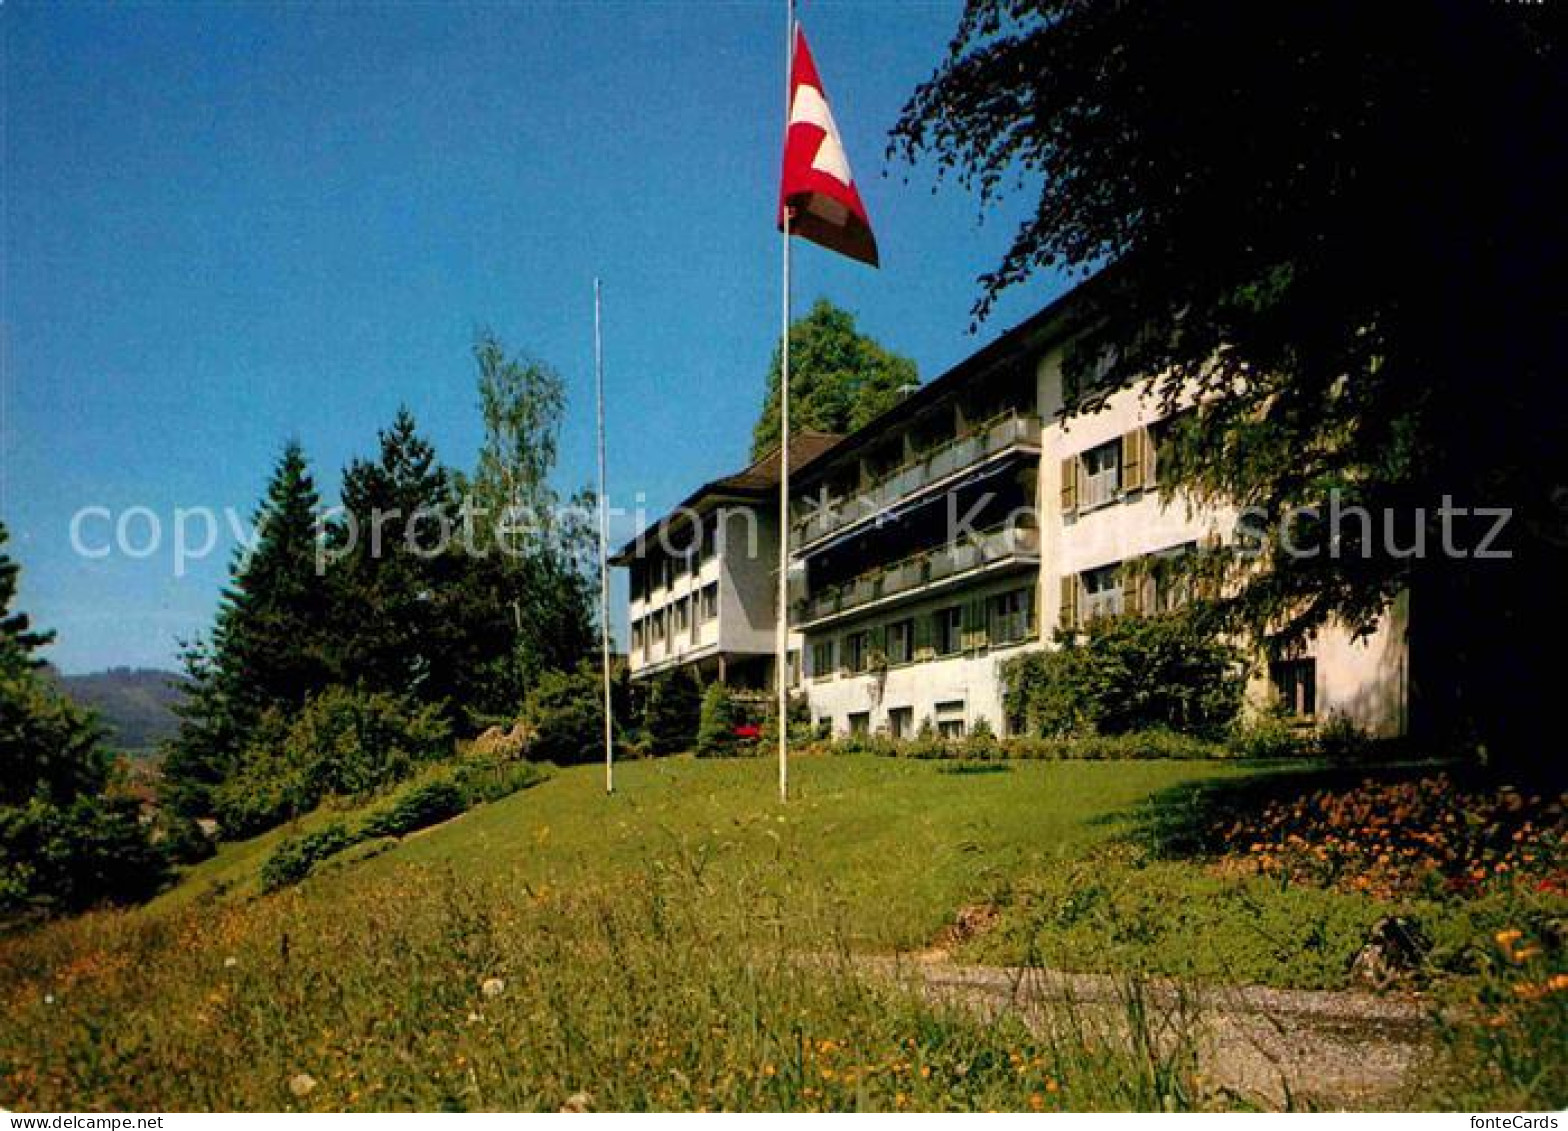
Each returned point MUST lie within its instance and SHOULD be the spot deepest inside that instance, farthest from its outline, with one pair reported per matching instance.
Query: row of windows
(1133, 588)
(1112, 470)
(686, 615)
(1002, 618)
(651, 573)
(948, 719)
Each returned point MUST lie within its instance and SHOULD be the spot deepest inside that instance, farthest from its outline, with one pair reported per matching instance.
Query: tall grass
(421, 988)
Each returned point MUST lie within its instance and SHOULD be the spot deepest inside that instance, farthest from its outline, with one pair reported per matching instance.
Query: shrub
(293, 860)
(417, 806)
(1040, 696)
(67, 857)
(981, 744)
(1128, 674)
(716, 727)
(670, 712)
(566, 710)
(1270, 734)
(927, 742)
(267, 788)
(350, 742)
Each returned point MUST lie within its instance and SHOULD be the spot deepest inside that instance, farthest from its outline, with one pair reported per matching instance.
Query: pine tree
(716, 726)
(63, 843)
(269, 646)
(389, 583)
(18, 641)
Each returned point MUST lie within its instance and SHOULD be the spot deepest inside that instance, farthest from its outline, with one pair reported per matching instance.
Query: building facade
(703, 578)
(959, 529)
(976, 518)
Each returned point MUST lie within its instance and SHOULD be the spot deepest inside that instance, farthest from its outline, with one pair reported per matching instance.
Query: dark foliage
(1341, 222)
(671, 711)
(68, 840)
(839, 378)
(1128, 674)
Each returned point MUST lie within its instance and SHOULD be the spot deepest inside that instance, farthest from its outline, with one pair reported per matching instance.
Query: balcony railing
(963, 556)
(932, 466)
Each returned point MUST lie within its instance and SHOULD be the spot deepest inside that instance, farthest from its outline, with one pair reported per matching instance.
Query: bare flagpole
(604, 550)
(781, 659)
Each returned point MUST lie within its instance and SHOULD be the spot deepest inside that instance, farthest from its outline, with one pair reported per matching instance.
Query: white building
(704, 586)
(960, 528)
(971, 521)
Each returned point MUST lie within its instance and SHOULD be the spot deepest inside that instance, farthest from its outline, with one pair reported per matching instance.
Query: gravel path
(1276, 1048)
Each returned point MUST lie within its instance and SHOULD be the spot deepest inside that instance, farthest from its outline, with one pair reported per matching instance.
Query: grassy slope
(647, 949)
(894, 846)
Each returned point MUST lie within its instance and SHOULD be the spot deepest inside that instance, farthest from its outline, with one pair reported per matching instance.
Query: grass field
(645, 950)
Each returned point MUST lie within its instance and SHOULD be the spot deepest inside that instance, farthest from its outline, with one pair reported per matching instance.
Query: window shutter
(1131, 579)
(1151, 460)
(1067, 618)
(1069, 484)
(1132, 461)
(922, 640)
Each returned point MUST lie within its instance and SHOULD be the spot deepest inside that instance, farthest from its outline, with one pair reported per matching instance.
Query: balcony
(1002, 545)
(926, 470)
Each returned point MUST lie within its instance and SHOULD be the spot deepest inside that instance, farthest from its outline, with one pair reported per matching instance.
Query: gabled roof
(751, 484)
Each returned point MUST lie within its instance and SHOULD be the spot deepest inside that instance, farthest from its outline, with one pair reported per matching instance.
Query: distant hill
(136, 705)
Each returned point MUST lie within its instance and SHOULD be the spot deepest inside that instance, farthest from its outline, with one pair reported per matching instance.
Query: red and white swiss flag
(817, 183)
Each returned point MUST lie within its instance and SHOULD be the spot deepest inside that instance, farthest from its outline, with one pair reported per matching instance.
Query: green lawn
(677, 945)
(893, 847)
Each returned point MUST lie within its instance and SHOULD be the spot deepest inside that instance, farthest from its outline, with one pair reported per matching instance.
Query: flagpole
(781, 659)
(604, 549)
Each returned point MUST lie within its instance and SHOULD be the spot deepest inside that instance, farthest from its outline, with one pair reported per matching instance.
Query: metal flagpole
(604, 551)
(781, 660)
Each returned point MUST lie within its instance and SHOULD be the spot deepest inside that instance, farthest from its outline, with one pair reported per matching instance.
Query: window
(950, 719)
(656, 628)
(901, 722)
(1102, 474)
(1102, 593)
(680, 621)
(822, 659)
(860, 722)
(1296, 681)
(857, 647)
(792, 664)
(637, 636)
(710, 601)
(1010, 616)
(947, 630)
(1171, 591)
(901, 642)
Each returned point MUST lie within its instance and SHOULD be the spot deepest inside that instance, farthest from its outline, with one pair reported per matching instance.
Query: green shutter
(922, 642)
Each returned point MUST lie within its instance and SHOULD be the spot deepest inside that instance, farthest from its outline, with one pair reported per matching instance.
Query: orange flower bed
(1426, 836)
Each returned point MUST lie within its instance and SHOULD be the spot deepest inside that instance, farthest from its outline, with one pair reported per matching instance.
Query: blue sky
(226, 225)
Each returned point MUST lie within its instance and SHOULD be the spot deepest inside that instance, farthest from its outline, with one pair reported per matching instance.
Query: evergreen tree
(391, 572)
(18, 641)
(270, 644)
(63, 842)
(839, 379)
(671, 710)
(716, 725)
